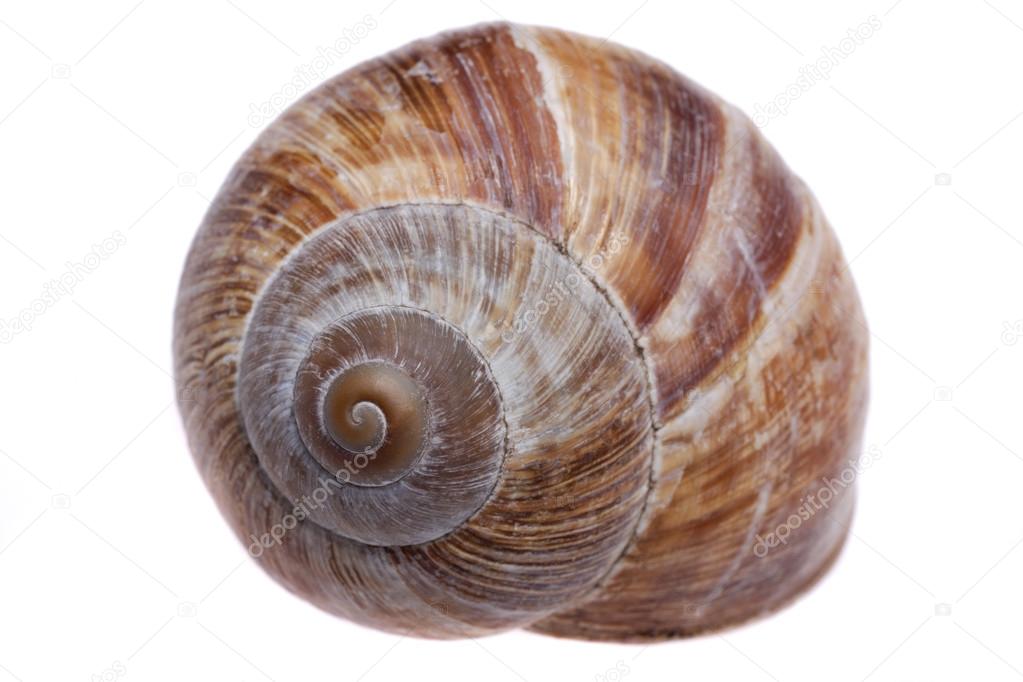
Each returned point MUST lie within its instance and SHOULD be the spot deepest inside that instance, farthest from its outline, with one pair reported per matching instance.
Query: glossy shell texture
(597, 341)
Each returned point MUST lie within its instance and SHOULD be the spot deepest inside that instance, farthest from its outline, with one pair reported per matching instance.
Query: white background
(123, 118)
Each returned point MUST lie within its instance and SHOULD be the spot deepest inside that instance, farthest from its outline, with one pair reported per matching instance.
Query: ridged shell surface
(632, 345)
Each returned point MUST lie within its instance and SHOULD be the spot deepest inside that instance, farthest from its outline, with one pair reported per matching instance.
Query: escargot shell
(517, 328)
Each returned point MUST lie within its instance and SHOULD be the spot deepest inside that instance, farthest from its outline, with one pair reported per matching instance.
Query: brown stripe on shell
(756, 216)
(641, 147)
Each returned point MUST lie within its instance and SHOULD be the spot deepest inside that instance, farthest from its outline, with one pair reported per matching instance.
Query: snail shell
(515, 328)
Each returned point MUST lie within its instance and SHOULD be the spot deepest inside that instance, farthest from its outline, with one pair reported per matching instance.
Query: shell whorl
(394, 305)
(513, 327)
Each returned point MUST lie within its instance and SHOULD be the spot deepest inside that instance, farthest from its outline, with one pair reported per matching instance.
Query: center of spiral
(376, 409)
(365, 421)
(393, 412)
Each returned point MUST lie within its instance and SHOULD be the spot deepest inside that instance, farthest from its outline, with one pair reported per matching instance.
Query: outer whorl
(514, 328)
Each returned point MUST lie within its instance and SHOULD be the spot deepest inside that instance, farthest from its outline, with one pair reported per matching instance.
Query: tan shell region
(638, 343)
